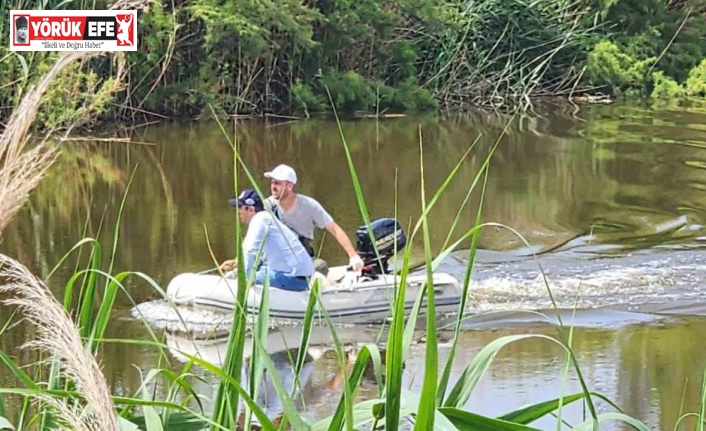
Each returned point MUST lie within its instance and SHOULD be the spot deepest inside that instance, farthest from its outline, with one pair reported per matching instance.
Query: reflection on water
(611, 201)
(635, 366)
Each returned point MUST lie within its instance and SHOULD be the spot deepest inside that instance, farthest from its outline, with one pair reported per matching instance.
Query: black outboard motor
(387, 234)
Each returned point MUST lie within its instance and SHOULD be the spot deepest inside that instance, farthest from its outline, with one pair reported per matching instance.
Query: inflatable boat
(357, 297)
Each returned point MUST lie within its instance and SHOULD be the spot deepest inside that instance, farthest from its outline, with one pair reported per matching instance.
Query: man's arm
(323, 219)
(354, 260)
(334, 229)
(251, 245)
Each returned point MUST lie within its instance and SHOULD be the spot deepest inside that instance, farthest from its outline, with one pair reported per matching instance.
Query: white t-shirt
(306, 214)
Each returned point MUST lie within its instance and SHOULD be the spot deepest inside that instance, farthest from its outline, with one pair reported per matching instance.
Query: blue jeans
(280, 280)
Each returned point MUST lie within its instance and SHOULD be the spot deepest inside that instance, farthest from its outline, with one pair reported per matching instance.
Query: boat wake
(627, 282)
(656, 281)
(200, 324)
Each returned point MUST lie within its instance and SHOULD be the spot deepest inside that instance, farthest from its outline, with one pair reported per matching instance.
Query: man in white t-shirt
(285, 262)
(303, 213)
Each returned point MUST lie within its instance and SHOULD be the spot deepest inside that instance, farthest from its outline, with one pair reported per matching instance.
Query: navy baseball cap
(247, 197)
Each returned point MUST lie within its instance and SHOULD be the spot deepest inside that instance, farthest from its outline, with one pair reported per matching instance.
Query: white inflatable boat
(354, 297)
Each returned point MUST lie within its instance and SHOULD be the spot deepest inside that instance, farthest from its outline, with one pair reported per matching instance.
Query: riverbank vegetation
(276, 58)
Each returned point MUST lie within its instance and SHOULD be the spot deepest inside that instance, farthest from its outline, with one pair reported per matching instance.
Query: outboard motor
(387, 235)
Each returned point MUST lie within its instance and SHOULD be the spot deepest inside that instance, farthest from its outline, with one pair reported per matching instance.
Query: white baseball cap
(282, 173)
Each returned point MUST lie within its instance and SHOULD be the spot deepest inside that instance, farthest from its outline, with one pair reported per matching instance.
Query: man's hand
(229, 265)
(356, 263)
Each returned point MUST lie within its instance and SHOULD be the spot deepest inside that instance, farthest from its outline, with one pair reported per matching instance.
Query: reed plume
(57, 334)
(21, 171)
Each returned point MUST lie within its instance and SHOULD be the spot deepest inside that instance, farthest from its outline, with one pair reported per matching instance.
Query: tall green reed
(227, 395)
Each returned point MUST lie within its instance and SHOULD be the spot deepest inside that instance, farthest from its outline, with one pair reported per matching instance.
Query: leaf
(152, 419)
(261, 330)
(126, 425)
(702, 403)
(364, 413)
(17, 371)
(468, 421)
(410, 400)
(426, 412)
(265, 421)
(531, 413)
(179, 421)
(290, 412)
(367, 353)
(379, 411)
(480, 363)
(446, 374)
(592, 423)
(23, 63)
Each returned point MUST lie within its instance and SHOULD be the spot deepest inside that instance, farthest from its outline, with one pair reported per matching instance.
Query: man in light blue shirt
(286, 262)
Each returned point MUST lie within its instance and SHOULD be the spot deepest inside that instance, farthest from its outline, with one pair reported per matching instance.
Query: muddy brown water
(610, 199)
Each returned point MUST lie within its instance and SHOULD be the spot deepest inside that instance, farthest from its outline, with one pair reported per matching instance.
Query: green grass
(441, 402)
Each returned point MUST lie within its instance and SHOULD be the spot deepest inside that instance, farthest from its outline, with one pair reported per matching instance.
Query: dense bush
(250, 56)
(649, 47)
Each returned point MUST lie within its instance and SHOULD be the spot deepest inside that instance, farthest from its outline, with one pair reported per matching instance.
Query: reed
(20, 169)
(58, 335)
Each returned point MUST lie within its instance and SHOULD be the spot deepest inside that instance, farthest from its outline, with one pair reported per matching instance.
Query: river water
(609, 202)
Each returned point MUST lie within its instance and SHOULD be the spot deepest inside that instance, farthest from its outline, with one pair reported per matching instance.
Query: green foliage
(162, 79)
(403, 62)
(665, 87)
(649, 48)
(254, 27)
(250, 56)
(305, 99)
(408, 96)
(496, 50)
(696, 82)
(608, 66)
(349, 91)
(238, 39)
(74, 97)
(646, 28)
